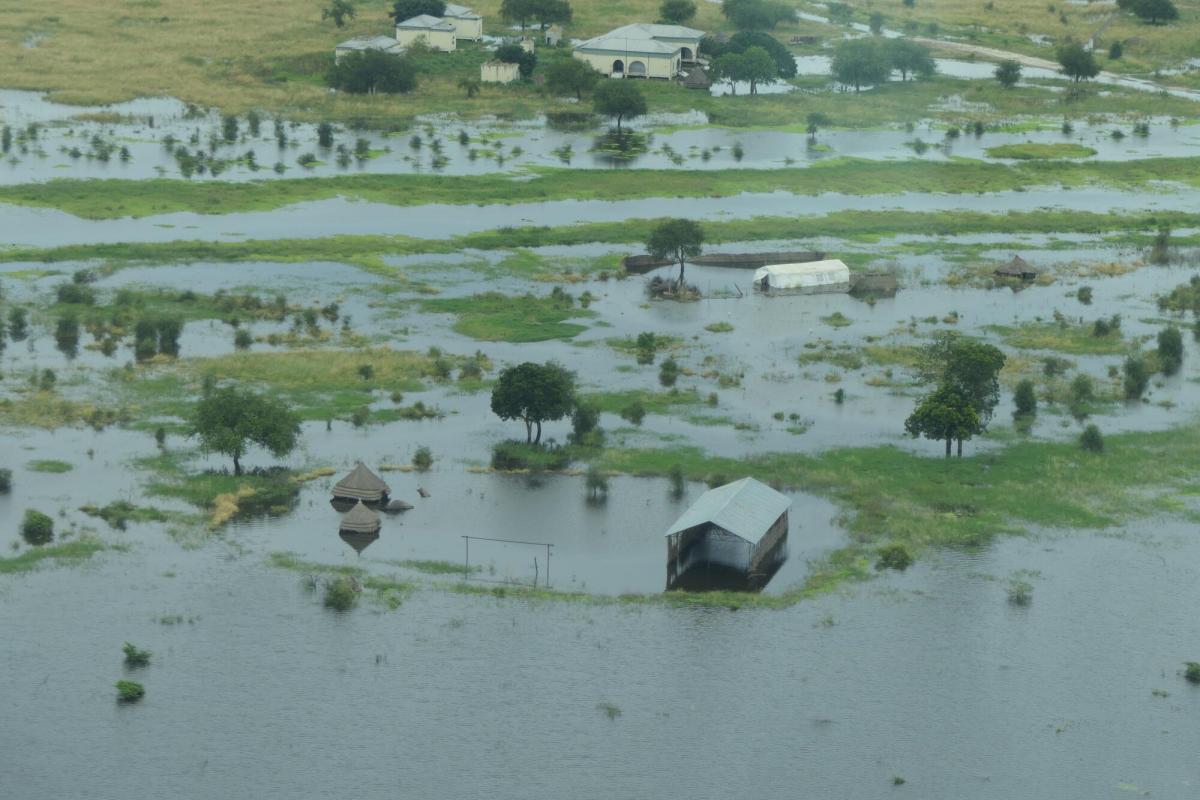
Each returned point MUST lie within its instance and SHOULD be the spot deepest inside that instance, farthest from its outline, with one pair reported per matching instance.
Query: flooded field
(1035, 647)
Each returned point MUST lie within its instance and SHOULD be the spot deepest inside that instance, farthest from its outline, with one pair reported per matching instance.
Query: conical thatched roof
(360, 519)
(1017, 268)
(361, 484)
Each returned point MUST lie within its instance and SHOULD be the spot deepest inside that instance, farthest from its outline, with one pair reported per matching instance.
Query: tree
(758, 67)
(407, 9)
(339, 11)
(676, 239)
(729, 67)
(515, 54)
(967, 364)
(229, 420)
(1092, 440)
(859, 62)
(1077, 63)
(620, 99)
(370, 71)
(549, 12)
(1137, 377)
(677, 12)
(534, 393)
(1008, 72)
(816, 120)
(875, 22)
(518, 11)
(1025, 399)
(756, 14)
(742, 41)
(571, 76)
(1152, 11)
(470, 86)
(910, 57)
(945, 414)
(1170, 350)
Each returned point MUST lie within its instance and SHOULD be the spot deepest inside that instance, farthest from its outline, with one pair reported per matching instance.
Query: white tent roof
(746, 508)
(811, 273)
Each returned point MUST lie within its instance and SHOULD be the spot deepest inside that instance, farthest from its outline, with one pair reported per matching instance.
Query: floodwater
(930, 676)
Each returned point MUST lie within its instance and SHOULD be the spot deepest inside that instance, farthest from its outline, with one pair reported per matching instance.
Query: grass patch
(120, 513)
(1062, 337)
(1026, 151)
(652, 402)
(50, 465)
(719, 327)
(224, 496)
(495, 317)
(73, 552)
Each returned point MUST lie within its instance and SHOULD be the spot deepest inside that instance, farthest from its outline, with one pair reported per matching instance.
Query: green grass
(719, 327)
(109, 199)
(224, 495)
(495, 317)
(653, 402)
(120, 513)
(49, 465)
(1063, 338)
(69, 553)
(1026, 151)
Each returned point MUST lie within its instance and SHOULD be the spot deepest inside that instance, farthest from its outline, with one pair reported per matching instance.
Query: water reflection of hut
(359, 541)
(361, 484)
(733, 537)
(1018, 268)
(361, 520)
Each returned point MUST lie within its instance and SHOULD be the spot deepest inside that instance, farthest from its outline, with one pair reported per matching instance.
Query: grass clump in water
(37, 528)
(129, 691)
(5, 481)
(68, 552)
(1026, 151)
(1099, 338)
(1191, 671)
(120, 513)
(341, 593)
(893, 556)
(135, 657)
(610, 710)
(495, 317)
(50, 465)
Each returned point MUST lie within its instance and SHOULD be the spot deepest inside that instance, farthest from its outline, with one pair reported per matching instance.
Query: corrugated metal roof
(461, 12)
(746, 508)
(384, 43)
(656, 31)
(611, 43)
(425, 22)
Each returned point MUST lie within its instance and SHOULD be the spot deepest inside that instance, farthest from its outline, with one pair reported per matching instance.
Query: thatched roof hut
(1018, 268)
(361, 484)
(360, 519)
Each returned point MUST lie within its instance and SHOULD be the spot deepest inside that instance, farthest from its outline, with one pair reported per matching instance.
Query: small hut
(361, 520)
(361, 484)
(1018, 268)
(733, 537)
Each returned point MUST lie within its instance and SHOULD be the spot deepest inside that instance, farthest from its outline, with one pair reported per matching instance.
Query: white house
(384, 44)
(498, 72)
(437, 34)
(642, 50)
(467, 24)
(813, 277)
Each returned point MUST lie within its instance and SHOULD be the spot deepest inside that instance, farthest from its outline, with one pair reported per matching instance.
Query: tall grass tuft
(135, 657)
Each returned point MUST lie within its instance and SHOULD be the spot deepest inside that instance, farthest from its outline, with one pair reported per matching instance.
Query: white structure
(384, 44)
(813, 277)
(467, 24)
(642, 50)
(498, 72)
(437, 34)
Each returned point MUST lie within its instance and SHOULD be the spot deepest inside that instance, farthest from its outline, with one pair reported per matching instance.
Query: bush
(37, 528)
(130, 691)
(585, 426)
(5, 481)
(341, 594)
(1020, 593)
(1137, 377)
(1091, 440)
(1025, 399)
(668, 372)
(597, 483)
(1192, 671)
(678, 483)
(1170, 350)
(1084, 295)
(242, 339)
(370, 71)
(422, 460)
(512, 455)
(135, 657)
(646, 347)
(77, 294)
(893, 556)
(635, 412)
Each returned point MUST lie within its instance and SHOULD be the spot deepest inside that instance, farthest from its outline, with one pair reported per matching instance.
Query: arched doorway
(686, 54)
(637, 69)
(618, 67)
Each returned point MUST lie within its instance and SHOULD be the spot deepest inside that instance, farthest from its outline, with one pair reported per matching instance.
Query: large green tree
(544, 12)
(742, 41)
(513, 53)
(909, 57)
(534, 393)
(407, 9)
(677, 12)
(571, 76)
(370, 71)
(1077, 63)
(676, 239)
(1008, 72)
(756, 14)
(230, 420)
(619, 98)
(968, 369)
(339, 11)
(1152, 11)
(945, 414)
(860, 62)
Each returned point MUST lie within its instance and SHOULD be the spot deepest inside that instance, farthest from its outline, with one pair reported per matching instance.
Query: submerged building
(733, 537)
(813, 277)
(361, 484)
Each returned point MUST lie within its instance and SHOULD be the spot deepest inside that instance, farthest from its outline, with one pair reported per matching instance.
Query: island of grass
(1031, 151)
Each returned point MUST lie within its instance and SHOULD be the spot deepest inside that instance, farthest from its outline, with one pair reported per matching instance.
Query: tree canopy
(677, 12)
(621, 99)
(534, 393)
(230, 420)
(756, 14)
(784, 60)
(370, 71)
(754, 66)
(676, 239)
(965, 371)
(1008, 72)
(339, 11)
(545, 12)
(945, 414)
(515, 54)
(407, 9)
(860, 62)
(1077, 63)
(1152, 11)
(571, 76)
(910, 57)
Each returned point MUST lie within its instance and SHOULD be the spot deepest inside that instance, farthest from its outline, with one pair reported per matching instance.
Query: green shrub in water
(1192, 671)
(130, 691)
(1025, 399)
(37, 528)
(5, 481)
(422, 460)
(893, 556)
(341, 594)
(135, 657)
